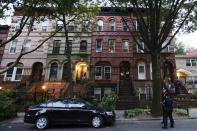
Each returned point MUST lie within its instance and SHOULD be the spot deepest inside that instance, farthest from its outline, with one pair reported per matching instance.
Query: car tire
(97, 121)
(42, 122)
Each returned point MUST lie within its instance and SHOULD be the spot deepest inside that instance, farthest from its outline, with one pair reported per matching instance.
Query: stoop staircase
(125, 98)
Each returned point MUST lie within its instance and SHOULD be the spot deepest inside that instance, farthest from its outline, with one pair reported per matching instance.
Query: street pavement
(122, 124)
(147, 125)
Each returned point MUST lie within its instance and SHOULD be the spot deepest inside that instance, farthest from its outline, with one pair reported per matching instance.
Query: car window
(55, 103)
(59, 104)
(76, 104)
(49, 104)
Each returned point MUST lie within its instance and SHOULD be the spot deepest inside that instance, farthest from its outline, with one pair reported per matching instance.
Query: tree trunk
(156, 84)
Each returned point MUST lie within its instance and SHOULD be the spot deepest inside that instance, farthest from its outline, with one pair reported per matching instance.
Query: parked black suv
(67, 111)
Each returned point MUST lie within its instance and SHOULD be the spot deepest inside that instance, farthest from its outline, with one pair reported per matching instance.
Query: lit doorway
(81, 71)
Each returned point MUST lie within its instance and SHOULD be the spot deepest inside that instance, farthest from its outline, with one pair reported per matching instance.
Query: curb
(19, 120)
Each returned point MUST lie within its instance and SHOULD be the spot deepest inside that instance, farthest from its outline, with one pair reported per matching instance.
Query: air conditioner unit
(98, 77)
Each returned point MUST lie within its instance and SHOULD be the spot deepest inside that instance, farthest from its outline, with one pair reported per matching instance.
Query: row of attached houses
(107, 53)
(187, 71)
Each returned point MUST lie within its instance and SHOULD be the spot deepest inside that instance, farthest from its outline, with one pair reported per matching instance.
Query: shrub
(180, 112)
(133, 113)
(109, 101)
(8, 99)
(88, 90)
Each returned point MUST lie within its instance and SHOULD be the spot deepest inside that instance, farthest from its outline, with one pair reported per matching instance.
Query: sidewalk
(119, 117)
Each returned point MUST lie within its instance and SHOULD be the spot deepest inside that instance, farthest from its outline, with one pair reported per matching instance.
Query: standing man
(168, 109)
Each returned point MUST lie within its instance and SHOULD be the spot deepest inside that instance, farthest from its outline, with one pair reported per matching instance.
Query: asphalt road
(149, 125)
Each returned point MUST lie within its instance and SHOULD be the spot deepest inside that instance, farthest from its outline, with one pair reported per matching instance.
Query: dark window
(53, 72)
(83, 45)
(56, 46)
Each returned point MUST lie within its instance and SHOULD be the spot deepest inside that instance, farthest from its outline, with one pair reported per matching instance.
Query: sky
(188, 39)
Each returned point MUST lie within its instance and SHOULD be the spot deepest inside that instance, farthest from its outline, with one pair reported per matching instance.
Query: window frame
(13, 77)
(138, 47)
(56, 49)
(11, 46)
(98, 77)
(125, 25)
(140, 77)
(113, 45)
(99, 26)
(189, 62)
(81, 46)
(99, 49)
(112, 25)
(126, 50)
(27, 45)
(104, 67)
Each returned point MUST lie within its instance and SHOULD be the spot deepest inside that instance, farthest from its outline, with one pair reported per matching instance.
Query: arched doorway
(37, 70)
(124, 70)
(81, 71)
(168, 71)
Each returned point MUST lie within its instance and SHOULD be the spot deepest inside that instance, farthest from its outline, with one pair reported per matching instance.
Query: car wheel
(42, 122)
(97, 121)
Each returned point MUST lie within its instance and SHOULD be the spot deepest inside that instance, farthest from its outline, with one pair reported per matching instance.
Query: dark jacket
(168, 103)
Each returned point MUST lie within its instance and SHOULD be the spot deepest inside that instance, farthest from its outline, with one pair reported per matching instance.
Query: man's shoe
(164, 127)
(172, 126)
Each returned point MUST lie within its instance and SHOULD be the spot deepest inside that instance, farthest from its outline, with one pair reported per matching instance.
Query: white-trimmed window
(103, 72)
(112, 25)
(59, 25)
(98, 73)
(98, 45)
(99, 25)
(125, 25)
(107, 72)
(45, 26)
(140, 47)
(191, 62)
(14, 74)
(125, 46)
(191, 80)
(111, 46)
(97, 93)
(141, 71)
(13, 45)
(17, 26)
(26, 45)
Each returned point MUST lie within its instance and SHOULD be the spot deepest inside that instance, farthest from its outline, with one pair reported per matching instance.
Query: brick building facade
(117, 61)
